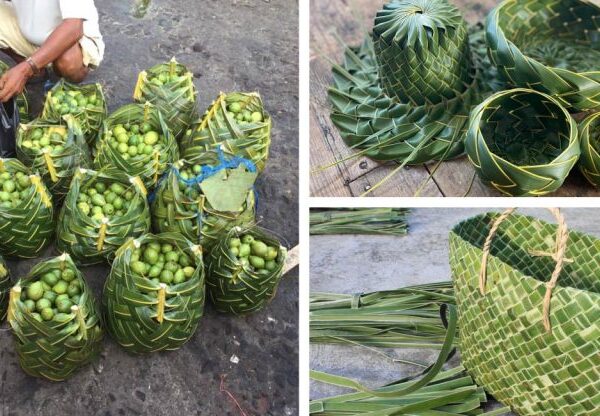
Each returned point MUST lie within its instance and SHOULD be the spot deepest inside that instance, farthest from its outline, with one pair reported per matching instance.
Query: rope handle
(562, 236)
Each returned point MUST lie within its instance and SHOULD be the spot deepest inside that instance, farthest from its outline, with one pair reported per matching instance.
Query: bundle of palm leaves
(385, 221)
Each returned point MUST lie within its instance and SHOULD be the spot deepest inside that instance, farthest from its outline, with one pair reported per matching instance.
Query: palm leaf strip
(384, 221)
(5, 285)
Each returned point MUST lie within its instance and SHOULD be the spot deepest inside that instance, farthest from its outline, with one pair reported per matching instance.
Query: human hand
(14, 80)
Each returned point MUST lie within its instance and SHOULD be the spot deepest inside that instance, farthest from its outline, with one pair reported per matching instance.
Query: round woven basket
(522, 142)
(548, 45)
(589, 134)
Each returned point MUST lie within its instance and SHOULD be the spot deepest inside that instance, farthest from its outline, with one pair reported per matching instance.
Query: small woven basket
(528, 297)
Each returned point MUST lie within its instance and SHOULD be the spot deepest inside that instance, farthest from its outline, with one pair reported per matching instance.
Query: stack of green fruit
(154, 294)
(5, 285)
(235, 122)
(54, 150)
(244, 270)
(26, 211)
(101, 212)
(136, 140)
(85, 102)
(54, 320)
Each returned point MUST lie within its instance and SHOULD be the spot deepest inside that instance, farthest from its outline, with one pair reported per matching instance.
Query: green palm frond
(56, 165)
(149, 167)
(384, 221)
(145, 315)
(89, 240)
(551, 46)
(5, 285)
(170, 87)
(22, 103)
(522, 142)
(219, 127)
(89, 116)
(234, 285)
(589, 134)
(54, 349)
(26, 228)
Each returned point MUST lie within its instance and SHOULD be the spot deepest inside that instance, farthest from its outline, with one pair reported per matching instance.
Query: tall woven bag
(528, 298)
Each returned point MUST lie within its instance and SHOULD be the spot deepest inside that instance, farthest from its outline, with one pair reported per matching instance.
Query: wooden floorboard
(350, 20)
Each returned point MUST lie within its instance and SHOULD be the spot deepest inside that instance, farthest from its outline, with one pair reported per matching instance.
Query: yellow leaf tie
(15, 295)
(41, 190)
(146, 112)
(140, 184)
(50, 165)
(162, 296)
(156, 165)
(1, 164)
(137, 92)
(212, 111)
(172, 67)
(80, 320)
(102, 234)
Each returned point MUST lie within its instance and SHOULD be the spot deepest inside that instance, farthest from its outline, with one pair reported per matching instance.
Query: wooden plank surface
(334, 170)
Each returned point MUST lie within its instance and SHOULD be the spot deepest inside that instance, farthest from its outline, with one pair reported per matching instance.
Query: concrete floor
(362, 263)
(229, 45)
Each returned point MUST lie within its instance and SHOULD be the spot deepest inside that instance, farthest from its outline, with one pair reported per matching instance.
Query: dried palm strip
(387, 221)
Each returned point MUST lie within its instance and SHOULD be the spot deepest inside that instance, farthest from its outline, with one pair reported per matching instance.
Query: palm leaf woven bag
(22, 103)
(5, 285)
(244, 279)
(54, 343)
(136, 140)
(548, 45)
(170, 87)
(26, 211)
(54, 150)
(528, 297)
(237, 123)
(589, 134)
(522, 142)
(100, 213)
(154, 294)
(85, 102)
(204, 201)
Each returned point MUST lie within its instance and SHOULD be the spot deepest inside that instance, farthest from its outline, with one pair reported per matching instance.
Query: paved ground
(354, 264)
(229, 45)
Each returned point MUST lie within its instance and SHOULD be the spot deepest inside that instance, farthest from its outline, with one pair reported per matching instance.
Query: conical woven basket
(589, 135)
(528, 297)
(549, 45)
(55, 349)
(5, 285)
(522, 142)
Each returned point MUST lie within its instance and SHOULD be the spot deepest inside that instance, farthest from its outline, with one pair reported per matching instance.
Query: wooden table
(333, 23)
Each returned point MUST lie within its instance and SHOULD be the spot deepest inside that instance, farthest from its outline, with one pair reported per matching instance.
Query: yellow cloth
(12, 38)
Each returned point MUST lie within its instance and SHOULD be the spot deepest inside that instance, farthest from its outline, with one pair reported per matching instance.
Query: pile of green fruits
(254, 253)
(52, 297)
(162, 263)
(51, 139)
(165, 77)
(187, 173)
(74, 102)
(235, 110)
(104, 200)
(13, 188)
(135, 140)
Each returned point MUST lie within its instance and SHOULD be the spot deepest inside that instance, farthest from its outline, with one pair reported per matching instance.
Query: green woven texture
(5, 285)
(131, 301)
(75, 153)
(25, 230)
(175, 98)
(236, 288)
(549, 45)
(56, 349)
(589, 134)
(22, 103)
(218, 127)
(503, 342)
(405, 93)
(79, 234)
(522, 142)
(379, 221)
(148, 167)
(90, 119)
(195, 219)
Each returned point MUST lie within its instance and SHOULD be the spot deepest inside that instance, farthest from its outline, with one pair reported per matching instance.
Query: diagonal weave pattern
(22, 103)
(235, 288)
(549, 45)
(218, 128)
(589, 135)
(5, 285)
(56, 349)
(131, 301)
(27, 229)
(522, 142)
(503, 343)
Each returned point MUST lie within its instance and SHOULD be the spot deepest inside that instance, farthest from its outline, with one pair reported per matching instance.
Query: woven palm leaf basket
(549, 45)
(522, 142)
(406, 92)
(589, 134)
(528, 298)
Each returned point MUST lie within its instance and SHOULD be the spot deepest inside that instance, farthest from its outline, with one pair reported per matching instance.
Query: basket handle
(562, 236)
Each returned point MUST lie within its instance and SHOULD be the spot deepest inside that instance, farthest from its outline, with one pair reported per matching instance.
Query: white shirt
(38, 18)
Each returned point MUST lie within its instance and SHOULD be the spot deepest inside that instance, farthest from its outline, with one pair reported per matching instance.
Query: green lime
(29, 305)
(47, 314)
(256, 117)
(60, 287)
(235, 251)
(50, 295)
(270, 265)
(64, 305)
(138, 267)
(259, 248)
(184, 260)
(154, 271)
(166, 248)
(151, 138)
(257, 262)
(37, 316)
(42, 304)
(247, 239)
(272, 253)
(234, 242)
(171, 266)
(244, 250)
(50, 278)
(188, 271)
(172, 256)
(68, 275)
(235, 107)
(35, 291)
(166, 276)
(150, 255)
(73, 290)
(179, 277)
